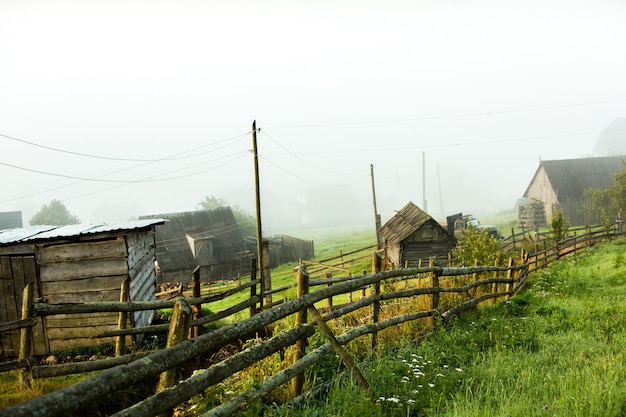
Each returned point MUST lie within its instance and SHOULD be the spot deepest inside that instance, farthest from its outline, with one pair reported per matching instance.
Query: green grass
(329, 245)
(557, 349)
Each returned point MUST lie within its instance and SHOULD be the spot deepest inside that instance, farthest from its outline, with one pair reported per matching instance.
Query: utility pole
(376, 215)
(259, 234)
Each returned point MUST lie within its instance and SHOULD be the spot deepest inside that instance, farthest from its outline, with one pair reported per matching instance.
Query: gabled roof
(570, 177)
(39, 233)
(173, 239)
(405, 222)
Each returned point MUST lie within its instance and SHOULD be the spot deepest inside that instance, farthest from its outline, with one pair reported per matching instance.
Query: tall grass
(558, 349)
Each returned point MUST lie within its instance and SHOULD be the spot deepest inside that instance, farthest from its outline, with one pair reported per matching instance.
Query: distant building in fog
(612, 140)
(10, 220)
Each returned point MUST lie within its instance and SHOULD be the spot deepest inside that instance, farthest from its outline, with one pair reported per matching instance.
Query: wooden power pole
(376, 215)
(259, 234)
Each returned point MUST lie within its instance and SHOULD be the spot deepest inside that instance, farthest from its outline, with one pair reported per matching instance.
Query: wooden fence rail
(128, 371)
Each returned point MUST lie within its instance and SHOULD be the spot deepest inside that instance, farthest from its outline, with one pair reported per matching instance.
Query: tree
(245, 220)
(611, 201)
(558, 225)
(55, 214)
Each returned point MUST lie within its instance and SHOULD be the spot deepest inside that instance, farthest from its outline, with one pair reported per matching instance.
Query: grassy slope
(558, 349)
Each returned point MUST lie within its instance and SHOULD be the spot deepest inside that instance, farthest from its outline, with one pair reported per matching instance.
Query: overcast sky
(128, 108)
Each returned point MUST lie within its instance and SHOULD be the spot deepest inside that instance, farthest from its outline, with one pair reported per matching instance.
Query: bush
(478, 246)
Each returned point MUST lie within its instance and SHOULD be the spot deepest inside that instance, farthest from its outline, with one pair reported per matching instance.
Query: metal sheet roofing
(46, 232)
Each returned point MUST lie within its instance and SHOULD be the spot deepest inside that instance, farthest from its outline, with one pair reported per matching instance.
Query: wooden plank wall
(16, 272)
(87, 271)
(141, 257)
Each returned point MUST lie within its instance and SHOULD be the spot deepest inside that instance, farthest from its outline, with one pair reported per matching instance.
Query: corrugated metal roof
(44, 232)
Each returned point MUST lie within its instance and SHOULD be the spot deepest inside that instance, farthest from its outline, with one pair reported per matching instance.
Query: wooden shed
(209, 239)
(75, 264)
(562, 183)
(412, 235)
(283, 249)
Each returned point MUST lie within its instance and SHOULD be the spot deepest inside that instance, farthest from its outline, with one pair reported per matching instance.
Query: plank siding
(78, 286)
(83, 251)
(65, 271)
(84, 297)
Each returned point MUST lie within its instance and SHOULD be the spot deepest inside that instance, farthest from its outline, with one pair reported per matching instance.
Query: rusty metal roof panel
(41, 232)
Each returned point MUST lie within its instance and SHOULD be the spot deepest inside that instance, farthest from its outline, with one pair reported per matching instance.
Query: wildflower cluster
(422, 385)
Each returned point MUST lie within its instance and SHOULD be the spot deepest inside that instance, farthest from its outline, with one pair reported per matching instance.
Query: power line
(447, 116)
(306, 179)
(171, 158)
(126, 169)
(302, 159)
(99, 179)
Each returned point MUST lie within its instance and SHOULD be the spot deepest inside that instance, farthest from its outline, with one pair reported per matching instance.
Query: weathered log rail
(128, 370)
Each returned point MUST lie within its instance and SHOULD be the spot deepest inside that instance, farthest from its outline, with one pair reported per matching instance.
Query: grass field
(558, 349)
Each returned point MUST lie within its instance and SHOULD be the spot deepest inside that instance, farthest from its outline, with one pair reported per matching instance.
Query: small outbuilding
(209, 239)
(75, 264)
(412, 235)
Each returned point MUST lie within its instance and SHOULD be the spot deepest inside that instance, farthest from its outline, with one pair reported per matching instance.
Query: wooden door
(16, 271)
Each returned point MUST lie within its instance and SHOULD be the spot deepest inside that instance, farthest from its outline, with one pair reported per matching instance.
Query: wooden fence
(446, 291)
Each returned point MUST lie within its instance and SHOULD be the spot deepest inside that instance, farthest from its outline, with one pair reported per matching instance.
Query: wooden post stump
(120, 343)
(26, 336)
(301, 318)
(178, 332)
(197, 309)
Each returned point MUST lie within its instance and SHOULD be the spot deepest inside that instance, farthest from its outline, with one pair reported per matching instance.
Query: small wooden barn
(562, 183)
(74, 264)
(209, 239)
(412, 235)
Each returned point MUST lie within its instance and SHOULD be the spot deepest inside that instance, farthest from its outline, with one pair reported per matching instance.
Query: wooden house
(209, 239)
(75, 264)
(412, 235)
(562, 183)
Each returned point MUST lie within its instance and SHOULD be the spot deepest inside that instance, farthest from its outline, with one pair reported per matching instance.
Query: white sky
(483, 88)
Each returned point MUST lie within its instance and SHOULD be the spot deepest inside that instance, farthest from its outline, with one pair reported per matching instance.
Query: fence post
(513, 236)
(301, 318)
(329, 299)
(494, 286)
(120, 343)
(197, 309)
(26, 335)
(350, 295)
(375, 312)
(253, 309)
(588, 236)
(178, 332)
(364, 289)
(266, 273)
(406, 280)
(511, 275)
(434, 283)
